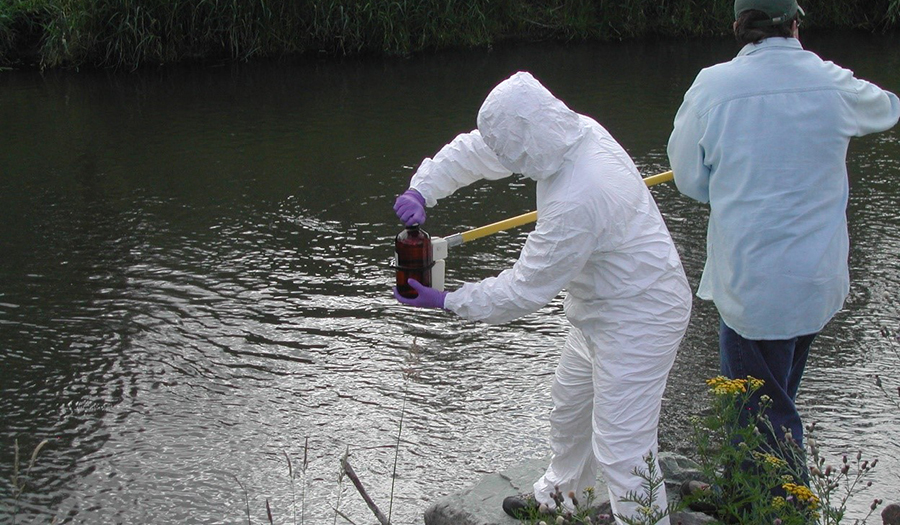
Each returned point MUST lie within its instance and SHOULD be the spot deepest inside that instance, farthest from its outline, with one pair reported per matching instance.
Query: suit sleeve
(554, 254)
(463, 161)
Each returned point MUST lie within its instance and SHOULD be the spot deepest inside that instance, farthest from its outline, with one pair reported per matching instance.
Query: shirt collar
(769, 43)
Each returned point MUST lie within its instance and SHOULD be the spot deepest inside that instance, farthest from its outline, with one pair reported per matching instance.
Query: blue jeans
(780, 363)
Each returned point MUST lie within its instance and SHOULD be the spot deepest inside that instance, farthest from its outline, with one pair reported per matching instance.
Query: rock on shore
(480, 504)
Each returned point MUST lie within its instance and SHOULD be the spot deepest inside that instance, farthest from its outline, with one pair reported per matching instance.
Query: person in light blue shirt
(763, 139)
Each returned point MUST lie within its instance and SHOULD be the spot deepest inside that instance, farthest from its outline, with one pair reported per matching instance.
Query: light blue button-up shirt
(763, 139)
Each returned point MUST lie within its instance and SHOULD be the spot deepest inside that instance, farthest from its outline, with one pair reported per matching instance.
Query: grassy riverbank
(131, 33)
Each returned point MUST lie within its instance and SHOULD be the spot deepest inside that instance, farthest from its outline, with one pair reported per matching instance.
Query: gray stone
(677, 468)
(891, 515)
(481, 503)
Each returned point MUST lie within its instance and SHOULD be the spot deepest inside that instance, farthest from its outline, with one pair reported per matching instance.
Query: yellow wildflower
(770, 459)
(803, 494)
(721, 386)
(755, 384)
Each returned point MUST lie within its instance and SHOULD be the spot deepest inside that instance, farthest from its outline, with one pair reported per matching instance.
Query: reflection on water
(194, 281)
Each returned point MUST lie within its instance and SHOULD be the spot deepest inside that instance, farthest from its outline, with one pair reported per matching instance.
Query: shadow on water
(195, 279)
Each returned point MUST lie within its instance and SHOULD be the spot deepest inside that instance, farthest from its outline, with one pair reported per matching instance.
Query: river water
(194, 284)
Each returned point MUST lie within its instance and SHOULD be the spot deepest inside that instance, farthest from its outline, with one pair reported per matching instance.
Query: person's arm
(686, 155)
(553, 255)
(463, 161)
(879, 110)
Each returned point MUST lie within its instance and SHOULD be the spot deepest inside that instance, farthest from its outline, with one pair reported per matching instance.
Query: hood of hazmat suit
(528, 128)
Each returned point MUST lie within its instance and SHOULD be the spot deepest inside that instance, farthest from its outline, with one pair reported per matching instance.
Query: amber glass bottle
(412, 259)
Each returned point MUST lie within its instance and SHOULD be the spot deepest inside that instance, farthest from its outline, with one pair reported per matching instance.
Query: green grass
(132, 33)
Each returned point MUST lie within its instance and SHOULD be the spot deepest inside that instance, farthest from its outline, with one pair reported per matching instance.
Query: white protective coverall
(600, 236)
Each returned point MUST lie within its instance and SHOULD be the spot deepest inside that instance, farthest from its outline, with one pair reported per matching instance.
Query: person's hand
(410, 207)
(427, 298)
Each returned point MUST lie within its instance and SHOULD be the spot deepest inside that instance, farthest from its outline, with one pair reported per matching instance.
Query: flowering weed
(755, 483)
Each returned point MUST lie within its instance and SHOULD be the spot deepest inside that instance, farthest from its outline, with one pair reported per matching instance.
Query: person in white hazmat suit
(600, 237)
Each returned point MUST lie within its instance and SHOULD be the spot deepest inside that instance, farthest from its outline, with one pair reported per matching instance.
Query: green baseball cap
(780, 11)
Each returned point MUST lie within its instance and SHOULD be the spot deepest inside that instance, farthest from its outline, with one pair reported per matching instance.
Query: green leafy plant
(751, 482)
(114, 33)
(585, 511)
(648, 512)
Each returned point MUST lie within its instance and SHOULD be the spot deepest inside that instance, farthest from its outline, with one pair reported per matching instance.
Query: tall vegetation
(130, 33)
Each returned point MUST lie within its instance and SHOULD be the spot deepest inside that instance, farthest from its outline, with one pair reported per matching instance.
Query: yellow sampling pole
(525, 218)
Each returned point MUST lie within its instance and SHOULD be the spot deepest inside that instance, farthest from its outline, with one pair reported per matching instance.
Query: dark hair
(747, 33)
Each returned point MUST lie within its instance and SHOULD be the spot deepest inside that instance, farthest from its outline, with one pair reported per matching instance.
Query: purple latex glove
(428, 297)
(410, 207)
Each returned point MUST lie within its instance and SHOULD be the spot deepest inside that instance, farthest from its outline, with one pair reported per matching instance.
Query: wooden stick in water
(348, 469)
